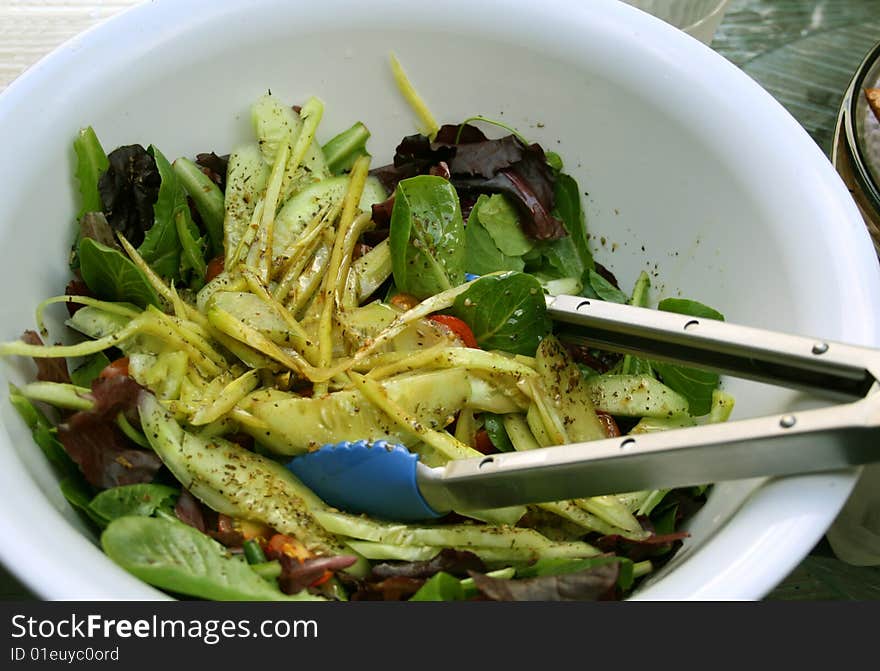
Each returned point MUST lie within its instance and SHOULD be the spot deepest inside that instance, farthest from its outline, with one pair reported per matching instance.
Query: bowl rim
(734, 582)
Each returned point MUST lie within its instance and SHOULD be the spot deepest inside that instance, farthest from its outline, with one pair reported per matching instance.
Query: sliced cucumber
(490, 555)
(305, 205)
(275, 123)
(246, 178)
(635, 396)
(97, 323)
(455, 535)
(567, 394)
(238, 483)
(253, 311)
(434, 398)
(655, 424)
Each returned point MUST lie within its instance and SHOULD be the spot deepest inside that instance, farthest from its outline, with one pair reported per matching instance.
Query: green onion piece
(343, 150)
(254, 553)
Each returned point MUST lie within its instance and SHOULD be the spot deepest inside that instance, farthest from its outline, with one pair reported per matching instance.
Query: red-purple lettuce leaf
(607, 275)
(297, 575)
(49, 369)
(196, 514)
(600, 361)
(557, 566)
(214, 167)
(591, 584)
(391, 175)
(478, 165)
(454, 562)
(538, 222)
(128, 189)
(440, 170)
(381, 212)
(639, 550)
(396, 581)
(487, 158)
(456, 133)
(396, 588)
(104, 454)
(190, 510)
(76, 287)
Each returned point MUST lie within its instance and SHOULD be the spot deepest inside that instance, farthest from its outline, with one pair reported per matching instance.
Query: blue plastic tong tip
(373, 477)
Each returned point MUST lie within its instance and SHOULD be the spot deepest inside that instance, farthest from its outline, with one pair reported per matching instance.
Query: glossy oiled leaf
(91, 162)
(161, 247)
(569, 209)
(440, 587)
(694, 384)
(427, 236)
(111, 276)
(482, 255)
(507, 312)
(86, 373)
(685, 306)
(139, 499)
(175, 557)
(43, 433)
(494, 426)
(605, 290)
(500, 220)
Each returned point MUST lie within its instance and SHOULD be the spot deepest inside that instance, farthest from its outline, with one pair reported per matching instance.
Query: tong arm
(823, 439)
(821, 367)
(810, 441)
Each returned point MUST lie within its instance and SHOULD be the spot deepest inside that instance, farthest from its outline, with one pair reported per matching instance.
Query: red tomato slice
(281, 544)
(324, 578)
(458, 327)
(482, 443)
(215, 267)
(404, 301)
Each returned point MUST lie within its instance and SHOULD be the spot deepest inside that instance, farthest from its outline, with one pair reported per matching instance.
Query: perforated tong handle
(817, 366)
(824, 439)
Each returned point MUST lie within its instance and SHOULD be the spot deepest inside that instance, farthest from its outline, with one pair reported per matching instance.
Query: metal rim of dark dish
(849, 119)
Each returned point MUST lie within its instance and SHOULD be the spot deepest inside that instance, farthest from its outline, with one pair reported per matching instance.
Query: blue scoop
(377, 478)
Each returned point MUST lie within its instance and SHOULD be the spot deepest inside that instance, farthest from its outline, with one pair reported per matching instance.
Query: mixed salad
(235, 311)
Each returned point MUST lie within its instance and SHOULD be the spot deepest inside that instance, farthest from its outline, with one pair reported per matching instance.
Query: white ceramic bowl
(733, 204)
(698, 18)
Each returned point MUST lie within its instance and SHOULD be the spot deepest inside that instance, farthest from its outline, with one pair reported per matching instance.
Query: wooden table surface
(802, 51)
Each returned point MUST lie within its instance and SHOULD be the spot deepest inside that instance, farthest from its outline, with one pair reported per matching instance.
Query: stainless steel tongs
(828, 438)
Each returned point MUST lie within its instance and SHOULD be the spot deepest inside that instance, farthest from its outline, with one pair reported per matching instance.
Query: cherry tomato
(215, 267)
(608, 423)
(483, 444)
(458, 327)
(324, 578)
(118, 367)
(280, 544)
